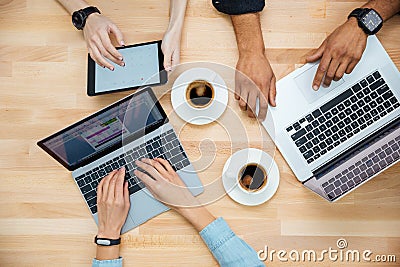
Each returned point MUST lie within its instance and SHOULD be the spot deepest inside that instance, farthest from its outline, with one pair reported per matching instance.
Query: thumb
(317, 53)
(167, 60)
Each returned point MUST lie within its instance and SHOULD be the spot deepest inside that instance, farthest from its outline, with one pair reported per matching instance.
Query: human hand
(171, 47)
(112, 204)
(164, 183)
(167, 186)
(255, 79)
(339, 53)
(97, 31)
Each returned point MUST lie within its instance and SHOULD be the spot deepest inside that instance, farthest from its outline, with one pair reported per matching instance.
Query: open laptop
(339, 137)
(134, 127)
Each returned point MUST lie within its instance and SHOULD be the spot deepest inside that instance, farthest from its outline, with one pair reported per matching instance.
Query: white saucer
(233, 166)
(195, 115)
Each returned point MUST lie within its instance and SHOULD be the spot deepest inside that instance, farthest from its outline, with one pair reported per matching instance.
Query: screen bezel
(114, 147)
(91, 76)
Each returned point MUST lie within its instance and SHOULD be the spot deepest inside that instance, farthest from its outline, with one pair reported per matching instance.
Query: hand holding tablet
(143, 66)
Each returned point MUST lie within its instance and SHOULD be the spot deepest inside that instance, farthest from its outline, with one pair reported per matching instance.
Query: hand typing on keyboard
(166, 185)
(112, 204)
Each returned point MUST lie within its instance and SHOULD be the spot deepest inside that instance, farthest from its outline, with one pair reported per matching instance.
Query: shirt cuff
(216, 233)
(107, 263)
(238, 7)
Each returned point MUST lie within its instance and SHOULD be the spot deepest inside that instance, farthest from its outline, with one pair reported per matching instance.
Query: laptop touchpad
(304, 82)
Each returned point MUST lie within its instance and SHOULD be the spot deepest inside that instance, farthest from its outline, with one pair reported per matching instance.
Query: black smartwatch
(368, 20)
(79, 17)
(106, 242)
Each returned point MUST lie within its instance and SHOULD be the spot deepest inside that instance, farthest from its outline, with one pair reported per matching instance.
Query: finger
(126, 194)
(237, 85)
(167, 62)
(340, 70)
(100, 59)
(322, 68)
(272, 92)
(263, 106)
(243, 99)
(147, 165)
(106, 183)
(176, 55)
(331, 72)
(160, 168)
(109, 51)
(147, 180)
(165, 164)
(251, 103)
(118, 34)
(100, 190)
(119, 184)
(111, 186)
(351, 66)
(317, 53)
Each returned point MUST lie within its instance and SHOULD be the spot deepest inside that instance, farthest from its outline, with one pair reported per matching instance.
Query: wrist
(353, 23)
(199, 217)
(109, 234)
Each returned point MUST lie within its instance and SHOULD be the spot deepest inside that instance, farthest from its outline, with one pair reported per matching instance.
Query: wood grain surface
(43, 218)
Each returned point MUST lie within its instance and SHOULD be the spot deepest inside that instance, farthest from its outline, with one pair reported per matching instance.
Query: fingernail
(123, 64)
(122, 43)
(121, 58)
(112, 68)
(122, 168)
(315, 87)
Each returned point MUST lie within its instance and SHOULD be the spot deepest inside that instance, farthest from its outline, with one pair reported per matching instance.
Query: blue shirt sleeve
(107, 263)
(228, 249)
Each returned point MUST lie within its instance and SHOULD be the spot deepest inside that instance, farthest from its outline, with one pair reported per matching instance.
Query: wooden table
(43, 218)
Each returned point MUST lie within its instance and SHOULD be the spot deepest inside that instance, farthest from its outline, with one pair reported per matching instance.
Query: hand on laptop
(97, 31)
(339, 53)
(166, 185)
(255, 79)
(112, 204)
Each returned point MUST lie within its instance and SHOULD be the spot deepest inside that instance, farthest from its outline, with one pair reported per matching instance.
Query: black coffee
(200, 93)
(252, 177)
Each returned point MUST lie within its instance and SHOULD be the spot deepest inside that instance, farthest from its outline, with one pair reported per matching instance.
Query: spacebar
(340, 98)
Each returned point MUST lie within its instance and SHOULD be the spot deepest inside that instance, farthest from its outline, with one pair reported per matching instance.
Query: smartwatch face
(371, 20)
(77, 19)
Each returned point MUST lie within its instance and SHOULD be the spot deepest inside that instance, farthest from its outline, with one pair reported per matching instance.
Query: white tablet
(143, 67)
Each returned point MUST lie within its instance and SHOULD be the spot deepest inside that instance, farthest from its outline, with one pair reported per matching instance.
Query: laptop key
(89, 195)
(86, 189)
(376, 74)
(363, 176)
(80, 183)
(92, 202)
(93, 209)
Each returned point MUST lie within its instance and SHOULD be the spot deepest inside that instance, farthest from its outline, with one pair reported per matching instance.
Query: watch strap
(106, 241)
(84, 13)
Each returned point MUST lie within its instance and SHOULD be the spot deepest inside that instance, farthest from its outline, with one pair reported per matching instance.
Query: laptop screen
(104, 131)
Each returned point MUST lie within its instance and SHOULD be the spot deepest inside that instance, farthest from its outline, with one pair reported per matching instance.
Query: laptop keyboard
(342, 117)
(166, 146)
(363, 169)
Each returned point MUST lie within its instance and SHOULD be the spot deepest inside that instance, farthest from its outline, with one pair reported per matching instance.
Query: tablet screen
(141, 68)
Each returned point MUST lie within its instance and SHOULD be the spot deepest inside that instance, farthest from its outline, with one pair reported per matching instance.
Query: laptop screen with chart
(143, 66)
(102, 131)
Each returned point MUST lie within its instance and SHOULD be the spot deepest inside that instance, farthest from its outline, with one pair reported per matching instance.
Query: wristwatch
(368, 20)
(106, 241)
(79, 17)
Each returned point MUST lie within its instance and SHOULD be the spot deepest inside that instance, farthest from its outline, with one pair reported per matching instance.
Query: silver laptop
(339, 137)
(132, 128)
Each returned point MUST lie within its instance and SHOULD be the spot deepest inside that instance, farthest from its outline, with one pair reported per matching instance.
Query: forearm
(248, 33)
(73, 5)
(199, 217)
(177, 15)
(385, 8)
(107, 252)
